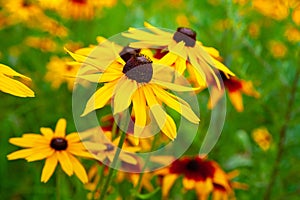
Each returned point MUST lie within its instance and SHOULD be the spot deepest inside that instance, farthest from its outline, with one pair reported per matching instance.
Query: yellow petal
(60, 129)
(169, 59)
(14, 87)
(215, 96)
(40, 154)
(140, 111)
(184, 110)
(49, 168)
(173, 87)
(188, 183)
(100, 98)
(128, 159)
(65, 162)
(167, 183)
(164, 121)
(123, 94)
(236, 100)
(79, 169)
(22, 142)
(20, 154)
(47, 132)
(73, 137)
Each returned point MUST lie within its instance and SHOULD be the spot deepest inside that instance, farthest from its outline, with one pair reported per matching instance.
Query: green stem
(58, 183)
(99, 184)
(138, 186)
(282, 136)
(114, 162)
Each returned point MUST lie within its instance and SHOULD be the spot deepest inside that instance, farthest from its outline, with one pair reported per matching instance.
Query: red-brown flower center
(232, 84)
(79, 1)
(59, 144)
(185, 34)
(139, 68)
(193, 168)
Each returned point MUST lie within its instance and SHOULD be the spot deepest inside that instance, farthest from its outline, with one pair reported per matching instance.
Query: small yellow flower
(60, 70)
(43, 44)
(56, 148)
(276, 9)
(292, 34)
(262, 137)
(278, 49)
(10, 85)
(253, 30)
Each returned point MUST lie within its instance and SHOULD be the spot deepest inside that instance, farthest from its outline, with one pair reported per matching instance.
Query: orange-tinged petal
(49, 167)
(203, 188)
(168, 182)
(23, 153)
(60, 129)
(236, 100)
(189, 183)
(65, 162)
(79, 169)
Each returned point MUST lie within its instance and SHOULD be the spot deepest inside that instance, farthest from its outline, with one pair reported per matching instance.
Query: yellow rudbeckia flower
(56, 148)
(134, 76)
(12, 86)
(182, 50)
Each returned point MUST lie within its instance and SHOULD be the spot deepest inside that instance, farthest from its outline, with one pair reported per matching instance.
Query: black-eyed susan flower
(235, 87)
(60, 70)
(181, 47)
(45, 44)
(9, 84)
(204, 176)
(262, 137)
(56, 147)
(134, 76)
(277, 9)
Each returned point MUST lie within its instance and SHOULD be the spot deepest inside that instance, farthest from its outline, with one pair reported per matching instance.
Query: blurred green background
(244, 38)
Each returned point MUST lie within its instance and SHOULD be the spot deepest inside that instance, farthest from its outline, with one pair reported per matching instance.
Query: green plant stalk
(114, 162)
(282, 136)
(99, 184)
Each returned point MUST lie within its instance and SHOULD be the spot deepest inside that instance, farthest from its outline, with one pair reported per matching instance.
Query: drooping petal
(60, 129)
(215, 96)
(128, 159)
(164, 121)
(49, 168)
(79, 169)
(100, 98)
(123, 94)
(65, 162)
(140, 111)
(184, 110)
(173, 86)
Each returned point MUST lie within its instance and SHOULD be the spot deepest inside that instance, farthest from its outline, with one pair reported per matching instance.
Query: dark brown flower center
(232, 84)
(139, 68)
(59, 144)
(128, 52)
(185, 34)
(192, 166)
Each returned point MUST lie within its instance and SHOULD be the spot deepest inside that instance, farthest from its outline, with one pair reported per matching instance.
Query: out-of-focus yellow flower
(278, 49)
(240, 2)
(296, 14)
(60, 70)
(276, 9)
(235, 87)
(223, 24)
(204, 176)
(182, 20)
(262, 137)
(292, 34)
(56, 148)
(44, 44)
(253, 30)
(9, 84)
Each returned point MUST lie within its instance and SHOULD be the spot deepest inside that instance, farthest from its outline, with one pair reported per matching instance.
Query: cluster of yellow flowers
(141, 77)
